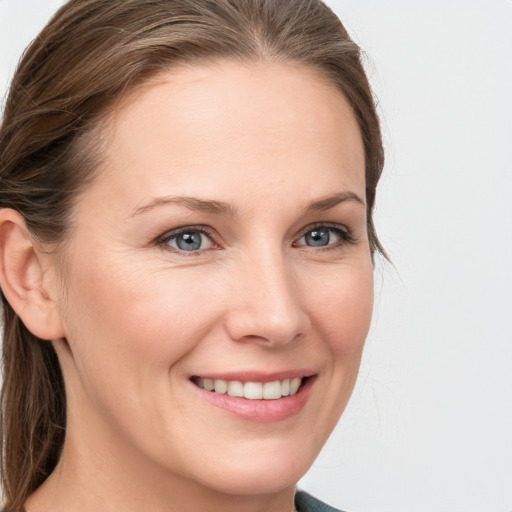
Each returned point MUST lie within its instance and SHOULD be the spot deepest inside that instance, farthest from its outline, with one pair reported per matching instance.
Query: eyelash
(164, 240)
(346, 237)
(343, 232)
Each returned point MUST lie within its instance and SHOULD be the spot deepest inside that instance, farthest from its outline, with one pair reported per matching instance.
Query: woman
(186, 253)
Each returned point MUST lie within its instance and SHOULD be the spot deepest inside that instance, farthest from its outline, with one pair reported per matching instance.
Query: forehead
(228, 122)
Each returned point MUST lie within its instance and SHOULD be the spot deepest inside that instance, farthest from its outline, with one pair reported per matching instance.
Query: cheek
(131, 323)
(344, 310)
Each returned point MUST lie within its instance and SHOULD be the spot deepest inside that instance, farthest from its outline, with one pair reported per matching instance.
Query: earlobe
(22, 278)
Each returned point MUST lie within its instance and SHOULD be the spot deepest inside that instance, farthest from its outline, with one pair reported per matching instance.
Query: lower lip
(260, 410)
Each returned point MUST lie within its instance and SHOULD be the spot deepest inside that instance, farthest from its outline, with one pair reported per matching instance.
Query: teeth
(272, 390)
(252, 390)
(208, 384)
(235, 388)
(294, 385)
(285, 387)
(221, 386)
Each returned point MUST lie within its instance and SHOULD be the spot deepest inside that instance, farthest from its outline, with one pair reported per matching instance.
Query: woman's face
(224, 240)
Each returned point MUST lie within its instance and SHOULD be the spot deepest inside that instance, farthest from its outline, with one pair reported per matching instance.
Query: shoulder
(306, 503)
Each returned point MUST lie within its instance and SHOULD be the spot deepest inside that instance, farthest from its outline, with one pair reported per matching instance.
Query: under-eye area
(252, 390)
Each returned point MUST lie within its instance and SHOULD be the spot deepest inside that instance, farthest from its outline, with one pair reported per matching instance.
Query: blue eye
(189, 240)
(318, 237)
(324, 236)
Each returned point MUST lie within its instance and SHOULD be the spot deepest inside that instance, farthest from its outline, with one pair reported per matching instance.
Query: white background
(429, 428)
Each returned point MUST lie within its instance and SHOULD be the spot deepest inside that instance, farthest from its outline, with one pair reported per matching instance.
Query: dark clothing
(306, 503)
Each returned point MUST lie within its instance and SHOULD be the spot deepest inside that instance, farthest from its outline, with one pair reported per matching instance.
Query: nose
(266, 304)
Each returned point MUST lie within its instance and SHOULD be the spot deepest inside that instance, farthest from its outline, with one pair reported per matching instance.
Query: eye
(188, 240)
(325, 236)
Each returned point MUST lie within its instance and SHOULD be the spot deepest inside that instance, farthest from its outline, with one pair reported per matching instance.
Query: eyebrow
(329, 202)
(192, 203)
(223, 208)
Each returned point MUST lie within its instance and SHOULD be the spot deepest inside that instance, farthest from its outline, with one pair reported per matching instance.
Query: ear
(26, 278)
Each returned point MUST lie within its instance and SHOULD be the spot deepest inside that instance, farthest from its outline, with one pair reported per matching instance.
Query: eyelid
(346, 234)
(163, 240)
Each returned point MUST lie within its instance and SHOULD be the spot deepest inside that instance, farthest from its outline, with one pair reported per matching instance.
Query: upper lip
(255, 375)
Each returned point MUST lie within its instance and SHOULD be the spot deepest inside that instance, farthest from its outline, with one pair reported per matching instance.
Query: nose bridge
(269, 307)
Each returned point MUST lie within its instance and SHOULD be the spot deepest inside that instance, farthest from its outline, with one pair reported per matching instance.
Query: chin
(269, 479)
(269, 470)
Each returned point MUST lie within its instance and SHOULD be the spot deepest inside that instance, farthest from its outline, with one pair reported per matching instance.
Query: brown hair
(89, 54)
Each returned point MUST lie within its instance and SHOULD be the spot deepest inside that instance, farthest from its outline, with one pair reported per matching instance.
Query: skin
(137, 317)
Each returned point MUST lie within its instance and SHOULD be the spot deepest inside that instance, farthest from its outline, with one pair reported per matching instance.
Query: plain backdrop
(429, 427)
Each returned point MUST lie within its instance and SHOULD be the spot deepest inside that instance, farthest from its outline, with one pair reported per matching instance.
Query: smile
(251, 390)
(257, 397)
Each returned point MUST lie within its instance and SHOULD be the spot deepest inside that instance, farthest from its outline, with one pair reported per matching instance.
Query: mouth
(257, 397)
(251, 390)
